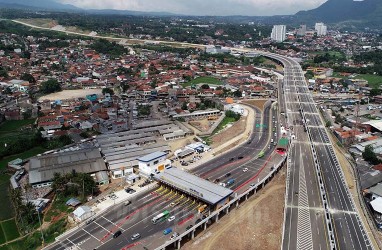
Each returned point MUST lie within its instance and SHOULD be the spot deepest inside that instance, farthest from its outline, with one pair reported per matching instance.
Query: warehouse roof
(152, 156)
(42, 168)
(202, 189)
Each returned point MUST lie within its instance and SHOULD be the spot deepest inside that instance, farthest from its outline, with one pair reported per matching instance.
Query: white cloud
(204, 7)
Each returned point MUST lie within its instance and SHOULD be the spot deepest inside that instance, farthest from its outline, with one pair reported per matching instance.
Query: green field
(203, 79)
(10, 229)
(374, 80)
(9, 126)
(24, 155)
(224, 123)
(18, 245)
(2, 236)
(6, 209)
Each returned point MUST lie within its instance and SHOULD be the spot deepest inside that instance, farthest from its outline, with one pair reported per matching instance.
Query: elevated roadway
(320, 211)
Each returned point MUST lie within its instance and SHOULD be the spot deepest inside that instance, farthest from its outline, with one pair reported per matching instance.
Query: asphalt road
(136, 218)
(305, 225)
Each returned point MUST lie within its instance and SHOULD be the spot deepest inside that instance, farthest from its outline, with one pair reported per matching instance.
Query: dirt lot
(70, 94)
(257, 103)
(257, 224)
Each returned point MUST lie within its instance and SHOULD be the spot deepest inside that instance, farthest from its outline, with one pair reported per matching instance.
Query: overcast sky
(204, 7)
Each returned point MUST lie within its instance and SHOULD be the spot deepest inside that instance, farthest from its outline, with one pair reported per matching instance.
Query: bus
(160, 217)
(261, 154)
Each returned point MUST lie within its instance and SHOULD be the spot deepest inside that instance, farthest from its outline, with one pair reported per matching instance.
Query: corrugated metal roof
(152, 156)
(202, 189)
(42, 168)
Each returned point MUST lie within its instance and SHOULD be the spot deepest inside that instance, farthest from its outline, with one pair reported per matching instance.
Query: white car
(171, 218)
(245, 169)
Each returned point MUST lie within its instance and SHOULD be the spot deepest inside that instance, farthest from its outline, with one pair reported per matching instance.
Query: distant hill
(359, 13)
(53, 5)
(37, 4)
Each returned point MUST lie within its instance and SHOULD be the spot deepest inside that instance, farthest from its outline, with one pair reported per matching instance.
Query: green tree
(28, 77)
(50, 86)
(369, 155)
(375, 92)
(107, 91)
(328, 124)
(205, 86)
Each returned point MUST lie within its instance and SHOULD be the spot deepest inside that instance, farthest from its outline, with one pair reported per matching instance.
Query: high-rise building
(278, 33)
(302, 30)
(321, 29)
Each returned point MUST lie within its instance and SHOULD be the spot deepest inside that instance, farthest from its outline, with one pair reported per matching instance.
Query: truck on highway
(160, 217)
(230, 182)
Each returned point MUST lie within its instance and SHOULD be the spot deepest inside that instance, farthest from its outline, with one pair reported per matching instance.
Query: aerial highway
(320, 211)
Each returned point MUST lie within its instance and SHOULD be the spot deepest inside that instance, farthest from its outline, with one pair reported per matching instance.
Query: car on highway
(189, 227)
(252, 185)
(227, 174)
(90, 221)
(216, 180)
(126, 203)
(171, 218)
(174, 235)
(135, 236)
(167, 231)
(240, 157)
(231, 159)
(245, 169)
(117, 233)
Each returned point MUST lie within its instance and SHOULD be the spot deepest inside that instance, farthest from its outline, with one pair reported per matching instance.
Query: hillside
(366, 13)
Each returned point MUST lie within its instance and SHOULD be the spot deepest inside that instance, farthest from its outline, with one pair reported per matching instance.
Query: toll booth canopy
(192, 185)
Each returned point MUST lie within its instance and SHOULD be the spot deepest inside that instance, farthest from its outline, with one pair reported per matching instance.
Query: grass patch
(10, 229)
(6, 209)
(17, 245)
(24, 155)
(2, 236)
(223, 124)
(9, 126)
(203, 79)
(374, 80)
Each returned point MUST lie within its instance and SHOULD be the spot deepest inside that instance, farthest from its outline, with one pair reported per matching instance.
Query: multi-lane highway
(136, 218)
(320, 212)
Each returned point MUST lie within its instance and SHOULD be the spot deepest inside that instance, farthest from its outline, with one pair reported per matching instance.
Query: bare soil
(257, 103)
(257, 224)
(227, 134)
(72, 94)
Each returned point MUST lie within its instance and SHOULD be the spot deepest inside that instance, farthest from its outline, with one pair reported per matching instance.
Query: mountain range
(343, 13)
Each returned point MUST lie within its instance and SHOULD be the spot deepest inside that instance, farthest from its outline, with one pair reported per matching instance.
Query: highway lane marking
(102, 227)
(73, 244)
(90, 234)
(110, 221)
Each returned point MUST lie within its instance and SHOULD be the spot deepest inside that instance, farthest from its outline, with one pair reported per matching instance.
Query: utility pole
(42, 234)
